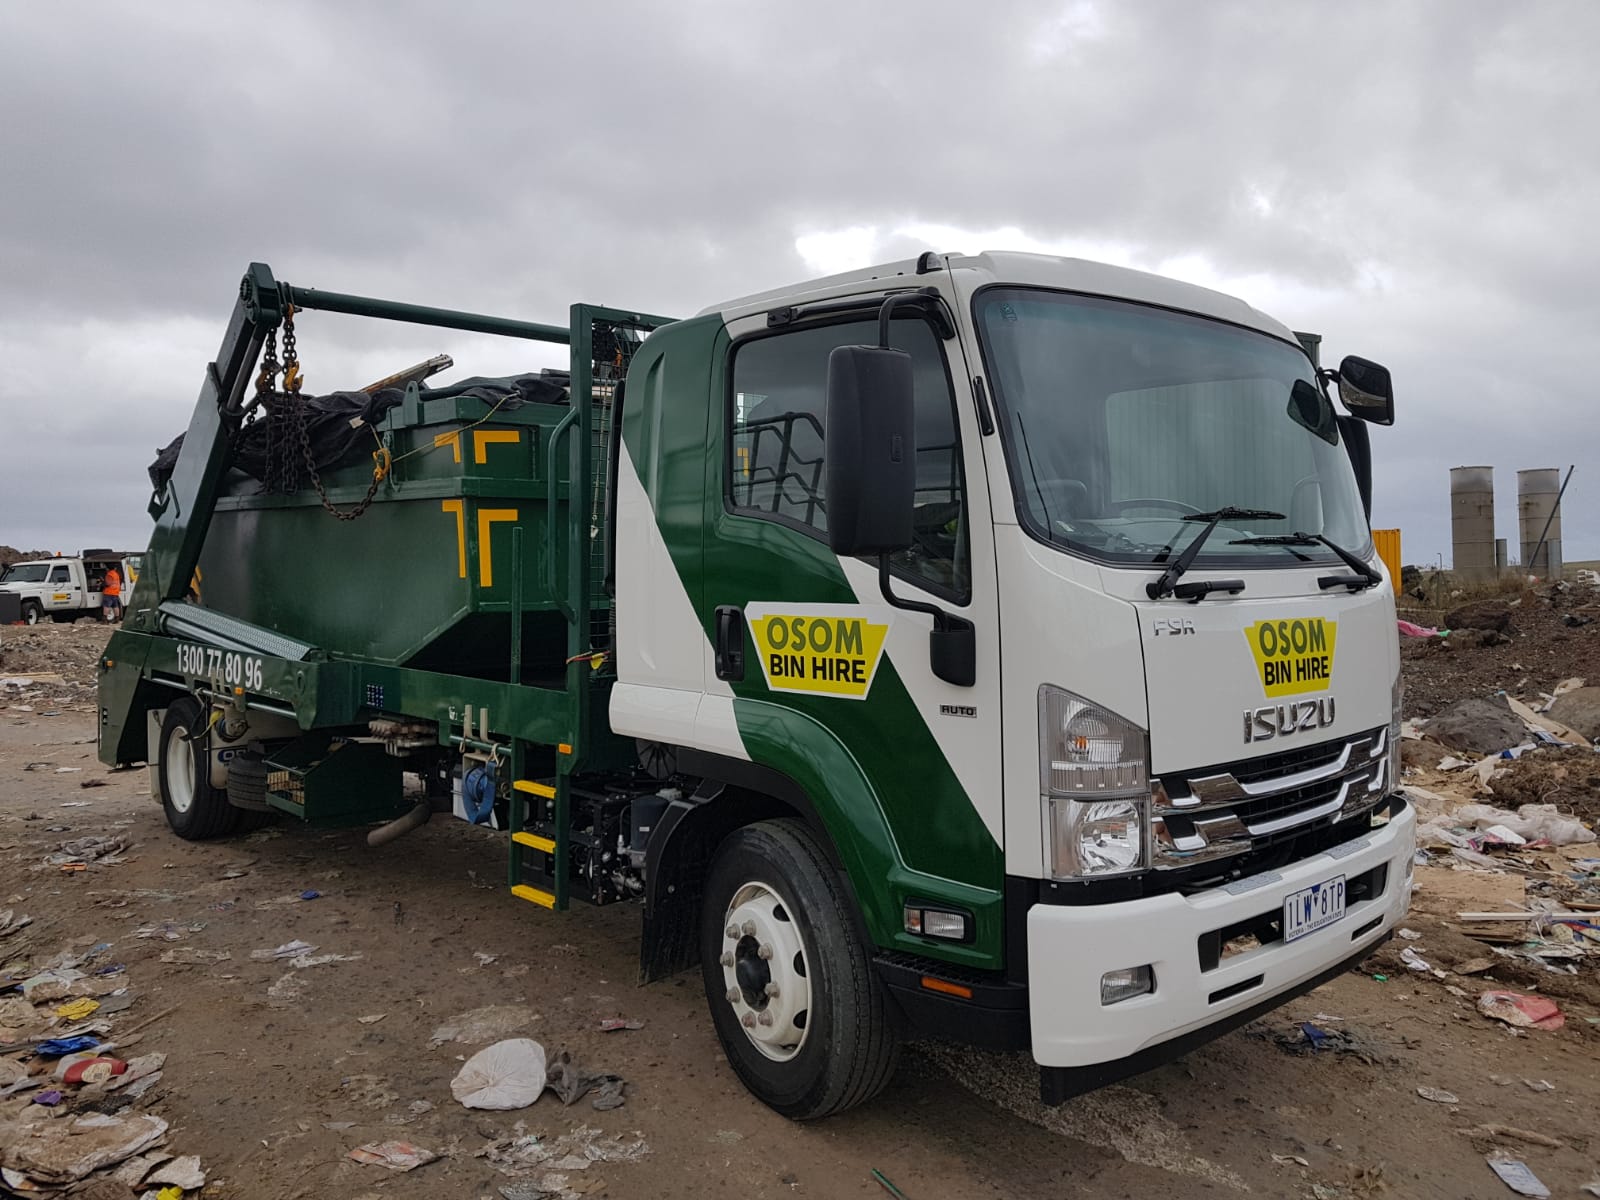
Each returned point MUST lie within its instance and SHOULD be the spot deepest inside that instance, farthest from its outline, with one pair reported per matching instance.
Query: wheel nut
(772, 990)
(748, 1020)
(733, 995)
(765, 951)
(764, 1019)
(727, 958)
(733, 933)
(749, 929)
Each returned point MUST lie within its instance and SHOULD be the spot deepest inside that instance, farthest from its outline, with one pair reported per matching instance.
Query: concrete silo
(1537, 492)
(1472, 522)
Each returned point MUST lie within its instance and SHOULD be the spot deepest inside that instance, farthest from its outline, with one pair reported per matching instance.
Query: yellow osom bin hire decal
(1293, 656)
(819, 649)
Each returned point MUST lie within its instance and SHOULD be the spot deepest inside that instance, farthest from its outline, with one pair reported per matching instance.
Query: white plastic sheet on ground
(509, 1074)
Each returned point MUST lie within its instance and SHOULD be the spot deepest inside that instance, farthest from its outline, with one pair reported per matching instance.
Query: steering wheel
(1117, 506)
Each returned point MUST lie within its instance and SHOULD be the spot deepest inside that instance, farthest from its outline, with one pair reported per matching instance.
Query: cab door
(831, 685)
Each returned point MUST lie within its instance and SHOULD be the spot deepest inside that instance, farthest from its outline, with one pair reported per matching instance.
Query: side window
(59, 575)
(779, 405)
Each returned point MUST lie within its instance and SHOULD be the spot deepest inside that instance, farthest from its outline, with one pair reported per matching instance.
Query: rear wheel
(31, 611)
(797, 1005)
(195, 810)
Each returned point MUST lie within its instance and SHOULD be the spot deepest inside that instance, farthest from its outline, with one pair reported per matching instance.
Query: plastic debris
(1413, 960)
(483, 959)
(170, 1193)
(1515, 1174)
(612, 1024)
(372, 1018)
(1438, 1095)
(883, 1182)
(56, 1047)
(183, 1173)
(93, 1070)
(11, 922)
(1539, 1085)
(1524, 1012)
(49, 1099)
(506, 1075)
(311, 894)
(396, 1156)
(288, 950)
(1532, 1137)
(77, 1010)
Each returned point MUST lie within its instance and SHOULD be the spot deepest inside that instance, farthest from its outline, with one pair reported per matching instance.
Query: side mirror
(1366, 391)
(869, 451)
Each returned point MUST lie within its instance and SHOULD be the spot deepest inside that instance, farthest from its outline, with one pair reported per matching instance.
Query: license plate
(1309, 909)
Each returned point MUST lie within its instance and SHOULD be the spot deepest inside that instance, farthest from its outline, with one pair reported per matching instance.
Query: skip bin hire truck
(990, 646)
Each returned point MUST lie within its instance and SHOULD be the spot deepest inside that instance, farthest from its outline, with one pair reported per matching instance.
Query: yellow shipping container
(1387, 543)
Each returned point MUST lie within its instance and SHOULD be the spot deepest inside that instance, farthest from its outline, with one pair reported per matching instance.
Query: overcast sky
(1420, 182)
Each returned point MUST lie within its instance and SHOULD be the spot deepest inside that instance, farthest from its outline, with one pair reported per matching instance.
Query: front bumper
(1071, 947)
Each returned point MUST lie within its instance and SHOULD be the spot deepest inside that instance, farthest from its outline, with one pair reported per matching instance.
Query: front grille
(1222, 811)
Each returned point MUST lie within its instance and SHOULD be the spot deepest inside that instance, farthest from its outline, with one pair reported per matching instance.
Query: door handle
(730, 642)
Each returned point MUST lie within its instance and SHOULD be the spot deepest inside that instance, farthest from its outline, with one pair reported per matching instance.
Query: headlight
(1094, 785)
(1397, 696)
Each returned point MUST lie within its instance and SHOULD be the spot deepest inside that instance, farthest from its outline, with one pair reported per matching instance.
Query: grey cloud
(1420, 173)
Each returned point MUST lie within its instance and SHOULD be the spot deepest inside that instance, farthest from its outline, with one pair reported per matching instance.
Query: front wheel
(195, 810)
(31, 611)
(799, 1009)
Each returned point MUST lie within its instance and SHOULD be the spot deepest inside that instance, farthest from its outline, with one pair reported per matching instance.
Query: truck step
(547, 845)
(534, 896)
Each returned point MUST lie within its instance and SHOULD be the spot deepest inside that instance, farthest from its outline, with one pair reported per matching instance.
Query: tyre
(247, 793)
(195, 810)
(31, 612)
(801, 1014)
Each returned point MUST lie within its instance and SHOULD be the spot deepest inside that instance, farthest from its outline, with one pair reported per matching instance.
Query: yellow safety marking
(194, 585)
(534, 840)
(564, 748)
(487, 517)
(482, 438)
(538, 789)
(533, 895)
(453, 440)
(455, 506)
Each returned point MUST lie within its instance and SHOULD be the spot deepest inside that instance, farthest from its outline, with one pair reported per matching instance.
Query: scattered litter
(479, 1025)
(303, 961)
(1539, 1085)
(57, 1047)
(188, 956)
(1307, 1038)
(570, 1083)
(49, 1099)
(883, 1182)
(68, 770)
(93, 1070)
(397, 1156)
(1410, 935)
(612, 1024)
(1535, 1012)
(1438, 1095)
(484, 959)
(1512, 1133)
(62, 1152)
(1515, 1175)
(94, 783)
(1380, 978)
(1473, 966)
(1413, 960)
(287, 987)
(1283, 1160)
(417, 1107)
(311, 894)
(287, 950)
(11, 923)
(77, 1010)
(508, 1074)
(182, 1173)
(372, 1018)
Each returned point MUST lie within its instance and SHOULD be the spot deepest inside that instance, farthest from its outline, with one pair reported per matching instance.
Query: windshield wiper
(1163, 585)
(1364, 578)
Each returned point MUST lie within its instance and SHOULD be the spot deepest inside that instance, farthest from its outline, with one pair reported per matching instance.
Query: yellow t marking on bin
(487, 517)
(455, 506)
(482, 438)
(453, 440)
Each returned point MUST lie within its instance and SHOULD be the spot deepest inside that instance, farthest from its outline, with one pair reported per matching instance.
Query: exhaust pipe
(415, 819)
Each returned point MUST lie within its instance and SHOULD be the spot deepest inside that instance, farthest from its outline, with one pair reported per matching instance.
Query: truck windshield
(1120, 420)
(26, 573)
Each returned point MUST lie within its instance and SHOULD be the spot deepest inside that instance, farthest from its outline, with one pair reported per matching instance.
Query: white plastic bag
(508, 1074)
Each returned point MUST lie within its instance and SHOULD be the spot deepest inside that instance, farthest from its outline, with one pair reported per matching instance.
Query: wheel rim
(32, 616)
(180, 770)
(766, 971)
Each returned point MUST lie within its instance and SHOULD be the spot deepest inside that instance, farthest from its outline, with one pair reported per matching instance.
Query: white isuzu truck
(992, 646)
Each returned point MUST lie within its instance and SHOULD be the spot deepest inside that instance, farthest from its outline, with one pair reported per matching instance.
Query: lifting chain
(287, 411)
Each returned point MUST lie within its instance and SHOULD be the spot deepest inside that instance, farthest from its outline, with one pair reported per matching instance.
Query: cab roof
(1037, 270)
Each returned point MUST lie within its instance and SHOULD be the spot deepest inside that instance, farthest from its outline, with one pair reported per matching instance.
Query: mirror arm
(886, 310)
(953, 640)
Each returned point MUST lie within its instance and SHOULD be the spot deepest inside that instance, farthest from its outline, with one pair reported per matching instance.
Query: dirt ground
(274, 1073)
